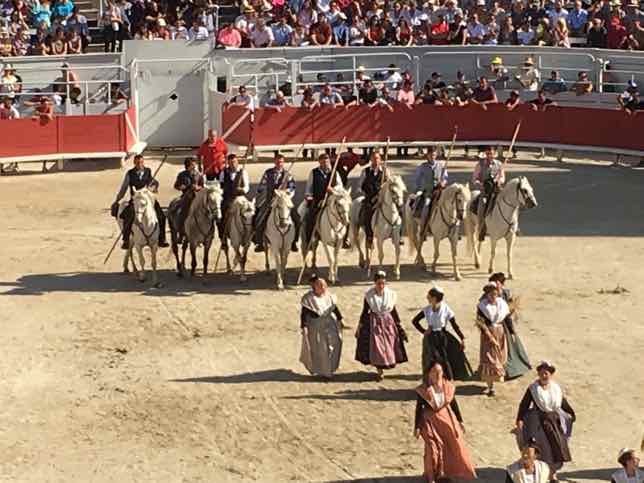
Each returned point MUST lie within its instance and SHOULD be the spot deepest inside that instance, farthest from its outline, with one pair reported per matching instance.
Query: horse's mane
(395, 180)
(282, 194)
(341, 192)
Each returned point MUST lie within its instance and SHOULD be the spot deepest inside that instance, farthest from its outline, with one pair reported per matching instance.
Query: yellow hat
(497, 60)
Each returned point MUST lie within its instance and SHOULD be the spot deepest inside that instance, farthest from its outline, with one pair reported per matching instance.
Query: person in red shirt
(439, 31)
(617, 34)
(212, 155)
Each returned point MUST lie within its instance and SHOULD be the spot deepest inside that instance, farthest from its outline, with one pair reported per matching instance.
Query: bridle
(243, 227)
(521, 199)
(139, 225)
(393, 221)
(333, 213)
(447, 219)
(211, 215)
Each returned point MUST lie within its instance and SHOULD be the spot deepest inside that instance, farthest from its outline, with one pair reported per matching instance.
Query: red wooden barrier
(566, 126)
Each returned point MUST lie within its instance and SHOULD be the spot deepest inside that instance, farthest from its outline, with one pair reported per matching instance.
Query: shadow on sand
(279, 375)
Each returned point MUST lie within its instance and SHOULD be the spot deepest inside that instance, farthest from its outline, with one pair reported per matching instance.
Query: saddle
(474, 205)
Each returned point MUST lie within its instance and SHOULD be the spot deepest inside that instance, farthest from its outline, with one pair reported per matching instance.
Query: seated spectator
(561, 35)
(436, 81)
(10, 83)
(278, 102)
(198, 31)
(22, 43)
(299, 38)
(44, 111)
(406, 94)
(261, 36)
(63, 9)
(229, 36)
(557, 12)
(617, 37)
(513, 101)
(578, 20)
(458, 31)
(444, 98)
(41, 12)
(597, 35)
(393, 78)
(555, 84)
(529, 77)
(282, 33)
(460, 85)
(6, 46)
(626, 96)
(375, 34)
(368, 94)
(483, 94)
(307, 16)
(338, 22)
(518, 14)
(491, 34)
(541, 102)
(475, 30)
(535, 12)
(7, 109)
(357, 32)
(178, 31)
(329, 97)
(507, 34)
(544, 35)
(498, 74)
(59, 44)
(427, 95)
(321, 32)
(117, 95)
(78, 23)
(634, 104)
(308, 100)
(439, 32)
(525, 34)
(583, 85)
(242, 99)
(404, 33)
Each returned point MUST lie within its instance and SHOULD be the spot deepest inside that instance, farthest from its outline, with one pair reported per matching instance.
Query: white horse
(333, 226)
(386, 223)
(204, 213)
(240, 231)
(445, 221)
(280, 233)
(502, 221)
(145, 232)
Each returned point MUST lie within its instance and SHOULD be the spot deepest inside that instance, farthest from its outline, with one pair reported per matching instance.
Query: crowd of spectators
(55, 27)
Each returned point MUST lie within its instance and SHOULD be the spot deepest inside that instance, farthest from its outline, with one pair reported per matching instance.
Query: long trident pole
(317, 219)
(514, 139)
(116, 240)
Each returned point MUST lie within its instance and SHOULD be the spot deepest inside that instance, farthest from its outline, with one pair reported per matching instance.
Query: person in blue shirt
(555, 84)
(577, 20)
(63, 9)
(282, 33)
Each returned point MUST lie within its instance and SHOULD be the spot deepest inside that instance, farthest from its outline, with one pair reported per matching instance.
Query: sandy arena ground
(105, 379)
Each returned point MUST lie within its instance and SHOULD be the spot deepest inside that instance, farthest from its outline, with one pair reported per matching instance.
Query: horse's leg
(509, 240)
(228, 267)
(206, 253)
(314, 251)
(130, 256)
(336, 255)
(358, 243)
(420, 240)
(395, 238)
(193, 258)
(153, 261)
(266, 255)
(492, 254)
(240, 257)
(139, 250)
(477, 252)
(126, 262)
(278, 268)
(453, 240)
(437, 244)
(184, 249)
(175, 252)
(329, 259)
(381, 251)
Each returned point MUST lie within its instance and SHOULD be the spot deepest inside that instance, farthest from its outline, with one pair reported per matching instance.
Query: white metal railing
(237, 79)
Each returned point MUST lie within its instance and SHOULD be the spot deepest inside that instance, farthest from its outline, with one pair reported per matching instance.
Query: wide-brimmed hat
(489, 287)
(623, 455)
(547, 366)
(8, 67)
(497, 60)
(528, 61)
(380, 275)
(249, 9)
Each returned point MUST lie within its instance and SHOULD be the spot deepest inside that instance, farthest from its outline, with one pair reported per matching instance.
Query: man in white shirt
(243, 100)
(261, 36)
(198, 31)
(394, 78)
(530, 77)
(557, 12)
(475, 30)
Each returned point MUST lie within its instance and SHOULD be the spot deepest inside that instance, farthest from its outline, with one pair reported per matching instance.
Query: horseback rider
(317, 186)
(137, 178)
(188, 181)
(273, 178)
(431, 178)
(488, 177)
(371, 180)
(235, 182)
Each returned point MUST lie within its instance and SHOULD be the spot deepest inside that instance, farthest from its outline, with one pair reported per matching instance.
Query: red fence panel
(86, 134)
(27, 137)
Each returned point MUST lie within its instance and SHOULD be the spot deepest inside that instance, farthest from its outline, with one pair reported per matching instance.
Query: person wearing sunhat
(9, 82)
(530, 76)
(629, 472)
(498, 73)
(439, 345)
(545, 419)
(380, 336)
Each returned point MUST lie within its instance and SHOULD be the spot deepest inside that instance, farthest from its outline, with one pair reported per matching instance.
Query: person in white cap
(439, 345)
(545, 419)
(528, 469)
(530, 77)
(629, 472)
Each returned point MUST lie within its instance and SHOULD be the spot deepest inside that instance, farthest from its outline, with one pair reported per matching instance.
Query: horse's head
(394, 189)
(282, 205)
(143, 202)
(246, 210)
(525, 193)
(461, 196)
(340, 201)
(212, 200)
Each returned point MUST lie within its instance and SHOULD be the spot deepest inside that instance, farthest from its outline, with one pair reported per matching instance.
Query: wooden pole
(514, 139)
(317, 219)
(451, 146)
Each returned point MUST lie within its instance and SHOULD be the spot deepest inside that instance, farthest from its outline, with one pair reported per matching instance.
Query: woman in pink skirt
(439, 423)
(380, 336)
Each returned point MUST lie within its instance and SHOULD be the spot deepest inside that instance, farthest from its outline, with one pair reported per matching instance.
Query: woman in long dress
(321, 324)
(491, 313)
(545, 419)
(380, 336)
(518, 362)
(529, 469)
(629, 472)
(439, 345)
(439, 422)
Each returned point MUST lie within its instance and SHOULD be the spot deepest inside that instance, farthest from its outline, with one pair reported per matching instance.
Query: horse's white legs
(153, 253)
(228, 268)
(509, 240)
(396, 240)
(329, 258)
(492, 254)
(278, 268)
(126, 261)
(437, 243)
(314, 251)
(141, 273)
(420, 240)
(266, 255)
(453, 240)
(362, 261)
(477, 251)
(336, 255)
(381, 251)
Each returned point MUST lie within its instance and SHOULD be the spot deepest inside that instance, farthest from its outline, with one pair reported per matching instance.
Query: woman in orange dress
(439, 422)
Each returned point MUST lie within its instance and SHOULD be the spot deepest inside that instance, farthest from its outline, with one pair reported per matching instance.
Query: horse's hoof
(126, 270)
(490, 270)
(158, 285)
(458, 278)
(433, 268)
(510, 276)
(477, 265)
(280, 286)
(141, 280)
(243, 278)
(179, 274)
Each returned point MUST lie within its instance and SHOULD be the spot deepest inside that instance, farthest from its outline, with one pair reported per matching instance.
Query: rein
(209, 216)
(335, 216)
(510, 223)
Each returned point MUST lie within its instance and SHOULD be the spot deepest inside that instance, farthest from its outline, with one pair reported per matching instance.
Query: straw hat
(623, 454)
(497, 60)
(528, 61)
